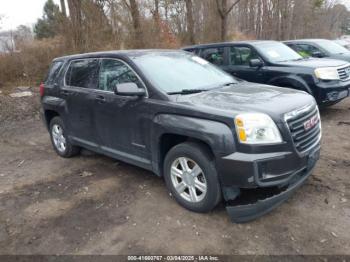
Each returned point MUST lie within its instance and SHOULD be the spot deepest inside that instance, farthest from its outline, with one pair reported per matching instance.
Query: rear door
(80, 80)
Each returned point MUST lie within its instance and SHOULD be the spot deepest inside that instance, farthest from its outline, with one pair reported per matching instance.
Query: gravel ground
(92, 204)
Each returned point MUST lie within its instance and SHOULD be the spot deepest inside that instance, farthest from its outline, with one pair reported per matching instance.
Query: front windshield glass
(332, 47)
(277, 52)
(176, 71)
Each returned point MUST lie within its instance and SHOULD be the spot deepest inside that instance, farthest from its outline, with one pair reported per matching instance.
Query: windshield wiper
(187, 91)
(230, 83)
(194, 91)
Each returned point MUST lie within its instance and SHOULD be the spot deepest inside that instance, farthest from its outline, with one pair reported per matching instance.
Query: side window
(241, 55)
(307, 50)
(113, 72)
(54, 71)
(214, 55)
(82, 73)
(292, 46)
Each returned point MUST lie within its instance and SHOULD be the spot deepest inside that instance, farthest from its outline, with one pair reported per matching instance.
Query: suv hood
(315, 63)
(249, 97)
(345, 57)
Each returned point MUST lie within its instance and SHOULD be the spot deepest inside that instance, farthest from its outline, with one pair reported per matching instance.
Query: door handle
(65, 92)
(100, 98)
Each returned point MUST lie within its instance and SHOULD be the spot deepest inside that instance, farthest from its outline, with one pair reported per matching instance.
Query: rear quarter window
(53, 73)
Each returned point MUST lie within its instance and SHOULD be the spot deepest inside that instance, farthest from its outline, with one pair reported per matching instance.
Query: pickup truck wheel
(59, 139)
(191, 177)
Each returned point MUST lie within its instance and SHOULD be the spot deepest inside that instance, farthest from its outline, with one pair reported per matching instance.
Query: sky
(20, 12)
(26, 12)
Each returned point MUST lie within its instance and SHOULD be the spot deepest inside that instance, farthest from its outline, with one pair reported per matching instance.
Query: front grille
(344, 73)
(304, 138)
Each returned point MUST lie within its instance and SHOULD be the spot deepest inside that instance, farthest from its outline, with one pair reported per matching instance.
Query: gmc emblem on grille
(311, 123)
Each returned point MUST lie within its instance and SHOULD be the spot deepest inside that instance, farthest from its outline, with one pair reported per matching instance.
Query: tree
(133, 7)
(224, 11)
(190, 21)
(47, 25)
(63, 8)
(76, 23)
(23, 35)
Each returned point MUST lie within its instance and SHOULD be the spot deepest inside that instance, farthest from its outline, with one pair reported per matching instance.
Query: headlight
(327, 73)
(256, 128)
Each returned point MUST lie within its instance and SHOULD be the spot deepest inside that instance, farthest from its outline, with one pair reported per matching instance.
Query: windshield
(176, 71)
(277, 52)
(332, 47)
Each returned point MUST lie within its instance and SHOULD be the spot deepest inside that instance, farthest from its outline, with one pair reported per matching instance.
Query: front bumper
(269, 178)
(329, 93)
(247, 212)
(243, 170)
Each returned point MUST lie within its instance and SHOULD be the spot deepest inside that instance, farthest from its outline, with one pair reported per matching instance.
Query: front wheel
(191, 177)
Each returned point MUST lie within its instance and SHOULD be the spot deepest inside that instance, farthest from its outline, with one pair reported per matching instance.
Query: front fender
(292, 81)
(217, 135)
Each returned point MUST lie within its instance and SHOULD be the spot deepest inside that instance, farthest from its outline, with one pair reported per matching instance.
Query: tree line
(75, 26)
(117, 24)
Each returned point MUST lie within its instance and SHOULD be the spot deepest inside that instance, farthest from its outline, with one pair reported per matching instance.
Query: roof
(127, 53)
(305, 40)
(250, 42)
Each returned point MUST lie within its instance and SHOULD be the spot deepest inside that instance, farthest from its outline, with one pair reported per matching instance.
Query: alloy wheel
(58, 138)
(188, 179)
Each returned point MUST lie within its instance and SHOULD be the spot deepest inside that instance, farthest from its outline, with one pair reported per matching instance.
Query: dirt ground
(92, 204)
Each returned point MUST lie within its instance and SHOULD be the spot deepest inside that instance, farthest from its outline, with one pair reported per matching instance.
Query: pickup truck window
(241, 55)
(82, 73)
(173, 72)
(113, 72)
(277, 52)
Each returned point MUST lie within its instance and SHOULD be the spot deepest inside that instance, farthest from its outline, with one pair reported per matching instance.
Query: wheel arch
(49, 114)
(292, 82)
(215, 137)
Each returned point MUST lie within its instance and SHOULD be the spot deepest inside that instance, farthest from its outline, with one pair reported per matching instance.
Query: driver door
(119, 119)
(239, 57)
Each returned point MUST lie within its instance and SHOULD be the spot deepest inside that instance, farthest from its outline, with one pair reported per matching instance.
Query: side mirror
(129, 89)
(256, 63)
(317, 54)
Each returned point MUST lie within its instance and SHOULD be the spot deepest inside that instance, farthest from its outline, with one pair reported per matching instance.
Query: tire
(60, 141)
(190, 185)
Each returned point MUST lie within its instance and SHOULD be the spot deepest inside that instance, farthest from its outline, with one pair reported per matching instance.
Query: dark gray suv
(210, 136)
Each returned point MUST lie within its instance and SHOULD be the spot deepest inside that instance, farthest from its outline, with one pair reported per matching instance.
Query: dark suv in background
(319, 48)
(210, 136)
(274, 63)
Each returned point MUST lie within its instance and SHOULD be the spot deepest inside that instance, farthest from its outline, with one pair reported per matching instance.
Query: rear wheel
(60, 140)
(191, 177)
